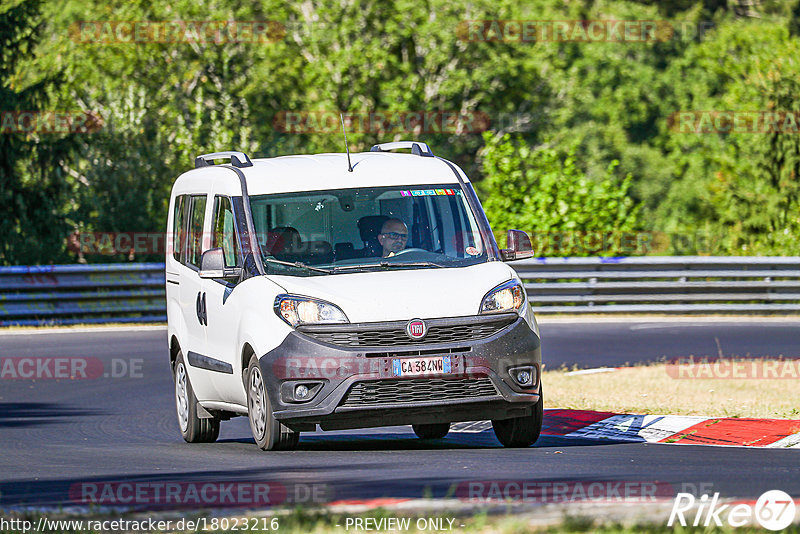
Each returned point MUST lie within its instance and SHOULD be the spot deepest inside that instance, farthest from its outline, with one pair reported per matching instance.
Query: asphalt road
(607, 343)
(58, 434)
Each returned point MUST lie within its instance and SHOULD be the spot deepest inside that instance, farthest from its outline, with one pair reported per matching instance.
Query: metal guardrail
(663, 284)
(69, 294)
(85, 294)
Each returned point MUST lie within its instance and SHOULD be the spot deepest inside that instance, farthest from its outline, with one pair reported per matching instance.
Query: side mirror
(212, 265)
(519, 246)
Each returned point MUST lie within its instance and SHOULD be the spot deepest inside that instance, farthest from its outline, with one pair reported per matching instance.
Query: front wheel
(193, 428)
(269, 433)
(521, 431)
(431, 431)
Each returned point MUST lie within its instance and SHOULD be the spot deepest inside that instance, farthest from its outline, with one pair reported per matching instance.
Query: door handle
(200, 306)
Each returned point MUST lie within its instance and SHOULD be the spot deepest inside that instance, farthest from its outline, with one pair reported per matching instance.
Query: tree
(542, 192)
(395, 56)
(736, 188)
(34, 189)
(589, 103)
(159, 104)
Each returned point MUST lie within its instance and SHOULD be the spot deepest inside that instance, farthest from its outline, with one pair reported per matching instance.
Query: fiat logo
(416, 329)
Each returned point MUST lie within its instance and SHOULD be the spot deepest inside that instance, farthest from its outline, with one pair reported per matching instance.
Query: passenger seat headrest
(370, 226)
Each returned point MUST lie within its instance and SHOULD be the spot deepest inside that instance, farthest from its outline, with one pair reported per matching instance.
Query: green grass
(661, 388)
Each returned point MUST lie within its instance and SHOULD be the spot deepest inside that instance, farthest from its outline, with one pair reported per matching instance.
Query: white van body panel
(257, 327)
(198, 181)
(326, 171)
(392, 296)
(403, 294)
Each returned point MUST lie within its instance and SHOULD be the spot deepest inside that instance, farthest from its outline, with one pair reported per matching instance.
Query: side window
(224, 231)
(179, 227)
(195, 237)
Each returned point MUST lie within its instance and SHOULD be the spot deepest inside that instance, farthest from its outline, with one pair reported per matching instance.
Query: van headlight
(507, 297)
(296, 311)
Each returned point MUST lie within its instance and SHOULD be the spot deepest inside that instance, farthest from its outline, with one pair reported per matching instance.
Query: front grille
(416, 390)
(394, 334)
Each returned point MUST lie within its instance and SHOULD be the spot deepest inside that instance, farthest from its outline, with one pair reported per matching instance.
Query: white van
(345, 291)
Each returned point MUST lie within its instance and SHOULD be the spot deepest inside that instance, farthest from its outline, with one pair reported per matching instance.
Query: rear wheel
(269, 433)
(193, 428)
(521, 431)
(431, 431)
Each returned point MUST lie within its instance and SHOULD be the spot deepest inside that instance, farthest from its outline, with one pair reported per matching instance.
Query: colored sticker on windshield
(429, 192)
(472, 251)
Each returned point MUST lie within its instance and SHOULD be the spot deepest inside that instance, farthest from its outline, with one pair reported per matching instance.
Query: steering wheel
(410, 250)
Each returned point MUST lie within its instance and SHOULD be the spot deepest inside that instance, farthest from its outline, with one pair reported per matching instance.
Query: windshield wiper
(386, 265)
(299, 265)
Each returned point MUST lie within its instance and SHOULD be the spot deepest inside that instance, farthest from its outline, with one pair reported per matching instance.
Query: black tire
(431, 431)
(193, 428)
(521, 431)
(269, 433)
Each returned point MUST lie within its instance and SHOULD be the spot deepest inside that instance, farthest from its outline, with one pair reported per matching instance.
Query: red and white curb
(680, 429)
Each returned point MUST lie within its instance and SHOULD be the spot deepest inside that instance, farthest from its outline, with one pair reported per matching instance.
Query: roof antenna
(349, 166)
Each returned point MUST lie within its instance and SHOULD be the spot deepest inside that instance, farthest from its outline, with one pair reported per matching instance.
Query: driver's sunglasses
(394, 235)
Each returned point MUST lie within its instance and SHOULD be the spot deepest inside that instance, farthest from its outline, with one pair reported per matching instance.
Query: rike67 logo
(774, 510)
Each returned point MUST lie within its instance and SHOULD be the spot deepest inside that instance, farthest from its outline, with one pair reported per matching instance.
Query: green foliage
(575, 109)
(545, 194)
(33, 185)
(740, 187)
(390, 56)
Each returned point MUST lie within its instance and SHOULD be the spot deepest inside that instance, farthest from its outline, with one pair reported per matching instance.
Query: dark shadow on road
(288, 486)
(351, 442)
(27, 414)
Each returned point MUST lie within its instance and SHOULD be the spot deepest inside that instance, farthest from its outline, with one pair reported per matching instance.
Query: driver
(393, 237)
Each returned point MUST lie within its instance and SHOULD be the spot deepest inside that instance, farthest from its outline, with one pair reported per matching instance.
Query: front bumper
(353, 386)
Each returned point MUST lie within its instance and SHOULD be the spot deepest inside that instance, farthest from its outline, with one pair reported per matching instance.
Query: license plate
(435, 365)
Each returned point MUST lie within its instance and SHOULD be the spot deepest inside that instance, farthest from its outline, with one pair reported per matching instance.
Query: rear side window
(224, 231)
(195, 237)
(179, 227)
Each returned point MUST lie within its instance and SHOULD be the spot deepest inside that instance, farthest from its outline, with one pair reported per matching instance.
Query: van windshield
(370, 228)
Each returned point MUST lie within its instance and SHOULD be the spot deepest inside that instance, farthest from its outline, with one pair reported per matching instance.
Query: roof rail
(417, 147)
(238, 159)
